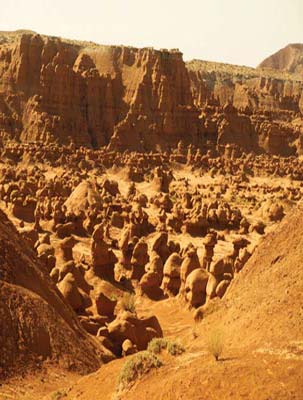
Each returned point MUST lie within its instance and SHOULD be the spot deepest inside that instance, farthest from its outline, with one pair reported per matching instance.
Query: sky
(240, 32)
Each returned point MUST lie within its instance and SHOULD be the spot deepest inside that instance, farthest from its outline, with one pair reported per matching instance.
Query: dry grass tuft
(215, 343)
(128, 302)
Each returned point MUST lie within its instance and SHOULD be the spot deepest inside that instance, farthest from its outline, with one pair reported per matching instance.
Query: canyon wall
(262, 109)
(54, 90)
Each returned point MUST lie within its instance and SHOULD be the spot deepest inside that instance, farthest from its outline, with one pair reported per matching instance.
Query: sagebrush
(156, 345)
(140, 364)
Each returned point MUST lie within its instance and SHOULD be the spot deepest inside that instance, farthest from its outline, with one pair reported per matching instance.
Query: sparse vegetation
(156, 345)
(139, 365)
(175, 348)
(194, 333)
(113, 297)
(128, 302)
(215, 343)
(229, 71)
(59, 394)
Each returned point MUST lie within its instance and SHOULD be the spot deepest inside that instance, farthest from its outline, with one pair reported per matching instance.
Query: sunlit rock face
(55, 90)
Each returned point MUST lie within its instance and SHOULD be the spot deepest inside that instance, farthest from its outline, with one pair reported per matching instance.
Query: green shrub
(156, 345)
(139, 365)
(175, 349)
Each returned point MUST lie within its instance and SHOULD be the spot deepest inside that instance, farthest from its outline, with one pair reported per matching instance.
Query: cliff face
(55, 90)
(140, 99)
(265, 106)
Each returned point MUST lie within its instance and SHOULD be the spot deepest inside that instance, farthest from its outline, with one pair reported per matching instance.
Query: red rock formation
(265, 106)
(237, 129)
(54, 90)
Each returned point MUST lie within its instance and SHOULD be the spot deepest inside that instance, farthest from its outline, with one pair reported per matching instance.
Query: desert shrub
(195, 328)
(215, 344)
(139, 365)
(194, 333)
(175, 349)
(59, 394)
(128, 302)
(156, 345)
(113, 297)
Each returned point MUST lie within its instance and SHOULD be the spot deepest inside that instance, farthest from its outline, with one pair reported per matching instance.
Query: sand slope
(35, 322)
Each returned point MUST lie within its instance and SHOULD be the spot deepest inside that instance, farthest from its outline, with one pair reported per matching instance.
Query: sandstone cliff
(264, 106)
(56, 90)
(94, 95)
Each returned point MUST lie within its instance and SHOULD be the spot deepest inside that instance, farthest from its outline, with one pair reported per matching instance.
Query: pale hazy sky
(236, 31)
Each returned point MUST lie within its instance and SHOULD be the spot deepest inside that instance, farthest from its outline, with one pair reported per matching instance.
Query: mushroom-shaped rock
(138, 330)
(217, 267)
(65, 249)
(46, 256)
(68, 288)
(128, 348)
(45, 249)
(211, 287)
(65, 268)
(195, 287)
(190, 262)
(105, 305)
(155, 265)
(159, 245)
(151, 281)
(171, 280)
(210, 240)
(222, 287)
(275, 212)
(103, 258)
(139, 259)
(83, 197)
(150, 285)
(258, 227)
(111, 187)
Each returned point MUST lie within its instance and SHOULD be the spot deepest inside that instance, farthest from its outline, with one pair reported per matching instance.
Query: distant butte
(289, 59)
